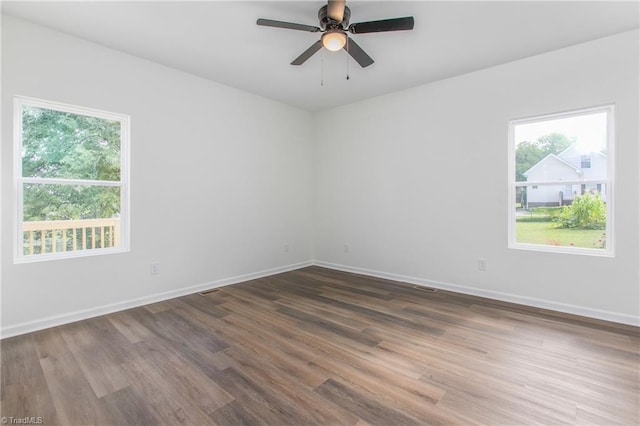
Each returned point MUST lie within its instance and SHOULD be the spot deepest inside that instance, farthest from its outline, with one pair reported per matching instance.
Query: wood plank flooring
(316, 346)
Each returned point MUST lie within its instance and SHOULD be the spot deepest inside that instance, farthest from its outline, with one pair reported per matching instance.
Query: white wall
(417, 183)
(219, 180)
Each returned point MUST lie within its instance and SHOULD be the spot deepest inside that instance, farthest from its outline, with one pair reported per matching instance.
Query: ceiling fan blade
(357, 53)
(287, 25)
(307, 53)
(335, 10)
(393, 24)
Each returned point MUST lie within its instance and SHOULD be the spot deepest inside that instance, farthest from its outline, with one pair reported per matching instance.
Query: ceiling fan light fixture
(334, 40)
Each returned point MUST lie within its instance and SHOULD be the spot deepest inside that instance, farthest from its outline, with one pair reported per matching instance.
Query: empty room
(320, 212)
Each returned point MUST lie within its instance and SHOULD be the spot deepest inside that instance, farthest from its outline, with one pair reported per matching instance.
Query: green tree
(554, 143)
(69, 146)
(527, 154)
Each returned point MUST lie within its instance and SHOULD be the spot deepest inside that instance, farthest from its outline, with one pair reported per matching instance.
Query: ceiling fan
(334, 24)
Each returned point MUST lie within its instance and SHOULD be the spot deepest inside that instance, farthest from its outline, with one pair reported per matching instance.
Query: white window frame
(609, 250)
(124, 183)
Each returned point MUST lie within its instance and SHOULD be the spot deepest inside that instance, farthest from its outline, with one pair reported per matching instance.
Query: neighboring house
(569, 165)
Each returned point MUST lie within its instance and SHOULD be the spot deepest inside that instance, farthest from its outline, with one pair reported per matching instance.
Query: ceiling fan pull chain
(322, 69)
(347, 56)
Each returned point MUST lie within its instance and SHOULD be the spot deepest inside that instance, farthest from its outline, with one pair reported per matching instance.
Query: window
(71, 169)
(568, 159)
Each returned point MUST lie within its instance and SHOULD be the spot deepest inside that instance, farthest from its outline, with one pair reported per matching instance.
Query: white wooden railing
(53, 236)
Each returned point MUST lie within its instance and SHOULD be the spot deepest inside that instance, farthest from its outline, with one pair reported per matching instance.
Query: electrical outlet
(482, 264)
(155, 268)
(285, 248)
(346, 248)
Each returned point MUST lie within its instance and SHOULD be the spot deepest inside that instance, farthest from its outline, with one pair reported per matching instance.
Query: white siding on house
(545, 195)
(598, 169)
(551, 168)
(566, 166)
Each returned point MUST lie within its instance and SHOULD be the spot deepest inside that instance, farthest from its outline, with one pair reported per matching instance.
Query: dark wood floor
(316, 346)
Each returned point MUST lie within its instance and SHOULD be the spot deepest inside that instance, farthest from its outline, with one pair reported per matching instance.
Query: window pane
(64, 145)
(60, 218)
(575, 219)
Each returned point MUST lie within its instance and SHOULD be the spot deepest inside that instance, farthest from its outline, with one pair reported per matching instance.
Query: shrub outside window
(561, 182)
(71, 168)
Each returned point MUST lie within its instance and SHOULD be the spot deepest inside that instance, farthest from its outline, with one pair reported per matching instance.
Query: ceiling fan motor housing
(327, 23)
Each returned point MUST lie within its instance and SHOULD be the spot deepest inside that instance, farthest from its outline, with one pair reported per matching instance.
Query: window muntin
(71, 167)
(571, 208)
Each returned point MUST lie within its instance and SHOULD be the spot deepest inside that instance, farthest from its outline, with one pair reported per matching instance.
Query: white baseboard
(53, 321)
(505, 297)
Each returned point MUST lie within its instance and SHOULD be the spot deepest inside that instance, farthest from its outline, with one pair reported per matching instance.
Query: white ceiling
(220, 41)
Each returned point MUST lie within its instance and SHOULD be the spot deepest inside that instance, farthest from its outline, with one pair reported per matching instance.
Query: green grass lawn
(548, 234)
